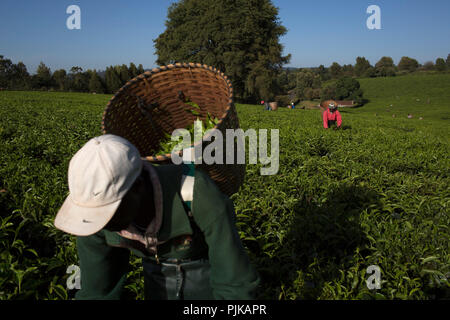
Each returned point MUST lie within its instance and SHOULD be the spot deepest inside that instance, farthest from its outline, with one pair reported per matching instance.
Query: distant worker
(292, 105)
(331, 116)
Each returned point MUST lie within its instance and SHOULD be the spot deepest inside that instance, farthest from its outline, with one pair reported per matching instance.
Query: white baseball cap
(100, 174)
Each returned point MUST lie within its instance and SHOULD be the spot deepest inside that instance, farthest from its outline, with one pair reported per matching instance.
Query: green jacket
(104, 262)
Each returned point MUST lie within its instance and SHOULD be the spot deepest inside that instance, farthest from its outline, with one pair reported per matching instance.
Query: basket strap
(188, 155)
(187, 188)
(187, 185)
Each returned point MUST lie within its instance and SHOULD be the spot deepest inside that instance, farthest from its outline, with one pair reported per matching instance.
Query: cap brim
(83, 221)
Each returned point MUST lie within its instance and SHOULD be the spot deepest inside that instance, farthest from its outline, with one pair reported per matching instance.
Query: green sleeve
(232, 276)
(103, 268)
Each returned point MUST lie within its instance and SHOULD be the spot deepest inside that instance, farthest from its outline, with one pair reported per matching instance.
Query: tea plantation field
(375, 193)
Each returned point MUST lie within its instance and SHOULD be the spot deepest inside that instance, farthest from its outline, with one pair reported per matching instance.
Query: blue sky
(319, 32)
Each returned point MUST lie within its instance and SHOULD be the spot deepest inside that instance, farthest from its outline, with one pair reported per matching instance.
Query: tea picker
(331, 116)
(178, 218)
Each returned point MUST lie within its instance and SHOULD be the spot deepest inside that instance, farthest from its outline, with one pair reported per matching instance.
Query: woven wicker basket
(324, 104)
(149, 106)
(273, 106)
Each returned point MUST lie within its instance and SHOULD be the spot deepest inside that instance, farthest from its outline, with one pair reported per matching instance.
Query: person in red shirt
(331, 116)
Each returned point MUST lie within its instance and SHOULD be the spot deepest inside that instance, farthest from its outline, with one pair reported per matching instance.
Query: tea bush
(374, 193)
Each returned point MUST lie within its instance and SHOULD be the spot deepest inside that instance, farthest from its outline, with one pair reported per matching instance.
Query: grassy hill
(423, 95)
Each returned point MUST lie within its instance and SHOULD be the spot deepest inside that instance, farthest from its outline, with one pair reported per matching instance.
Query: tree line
(305, 83)
(16, 77)
(340, 82)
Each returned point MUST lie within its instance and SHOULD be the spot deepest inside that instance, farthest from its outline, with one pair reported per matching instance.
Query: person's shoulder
(168, 169)
(209, 202)
(205, 184)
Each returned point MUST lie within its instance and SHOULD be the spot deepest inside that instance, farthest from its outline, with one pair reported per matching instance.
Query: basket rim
(183, 65)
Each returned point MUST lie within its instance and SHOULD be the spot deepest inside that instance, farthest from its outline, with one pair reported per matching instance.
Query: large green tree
(140, 69)
(349, 88)
(60, 79)
(5, 71)
(328, 92)
(79, 79)
(307, 80)
(440, 64)
(17, 77)
(361, 66)
(348, 70)
(323, 73)
(239, 37)
(385, 62)
(385, 67)
(335, 70)
(43, 76)
(133, 70)
(408, 64)
(428, 66)
(112, 79)
(95, 83)
(344, 88)
(124, 74)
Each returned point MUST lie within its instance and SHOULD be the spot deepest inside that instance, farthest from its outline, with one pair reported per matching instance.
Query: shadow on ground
(325, 234)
